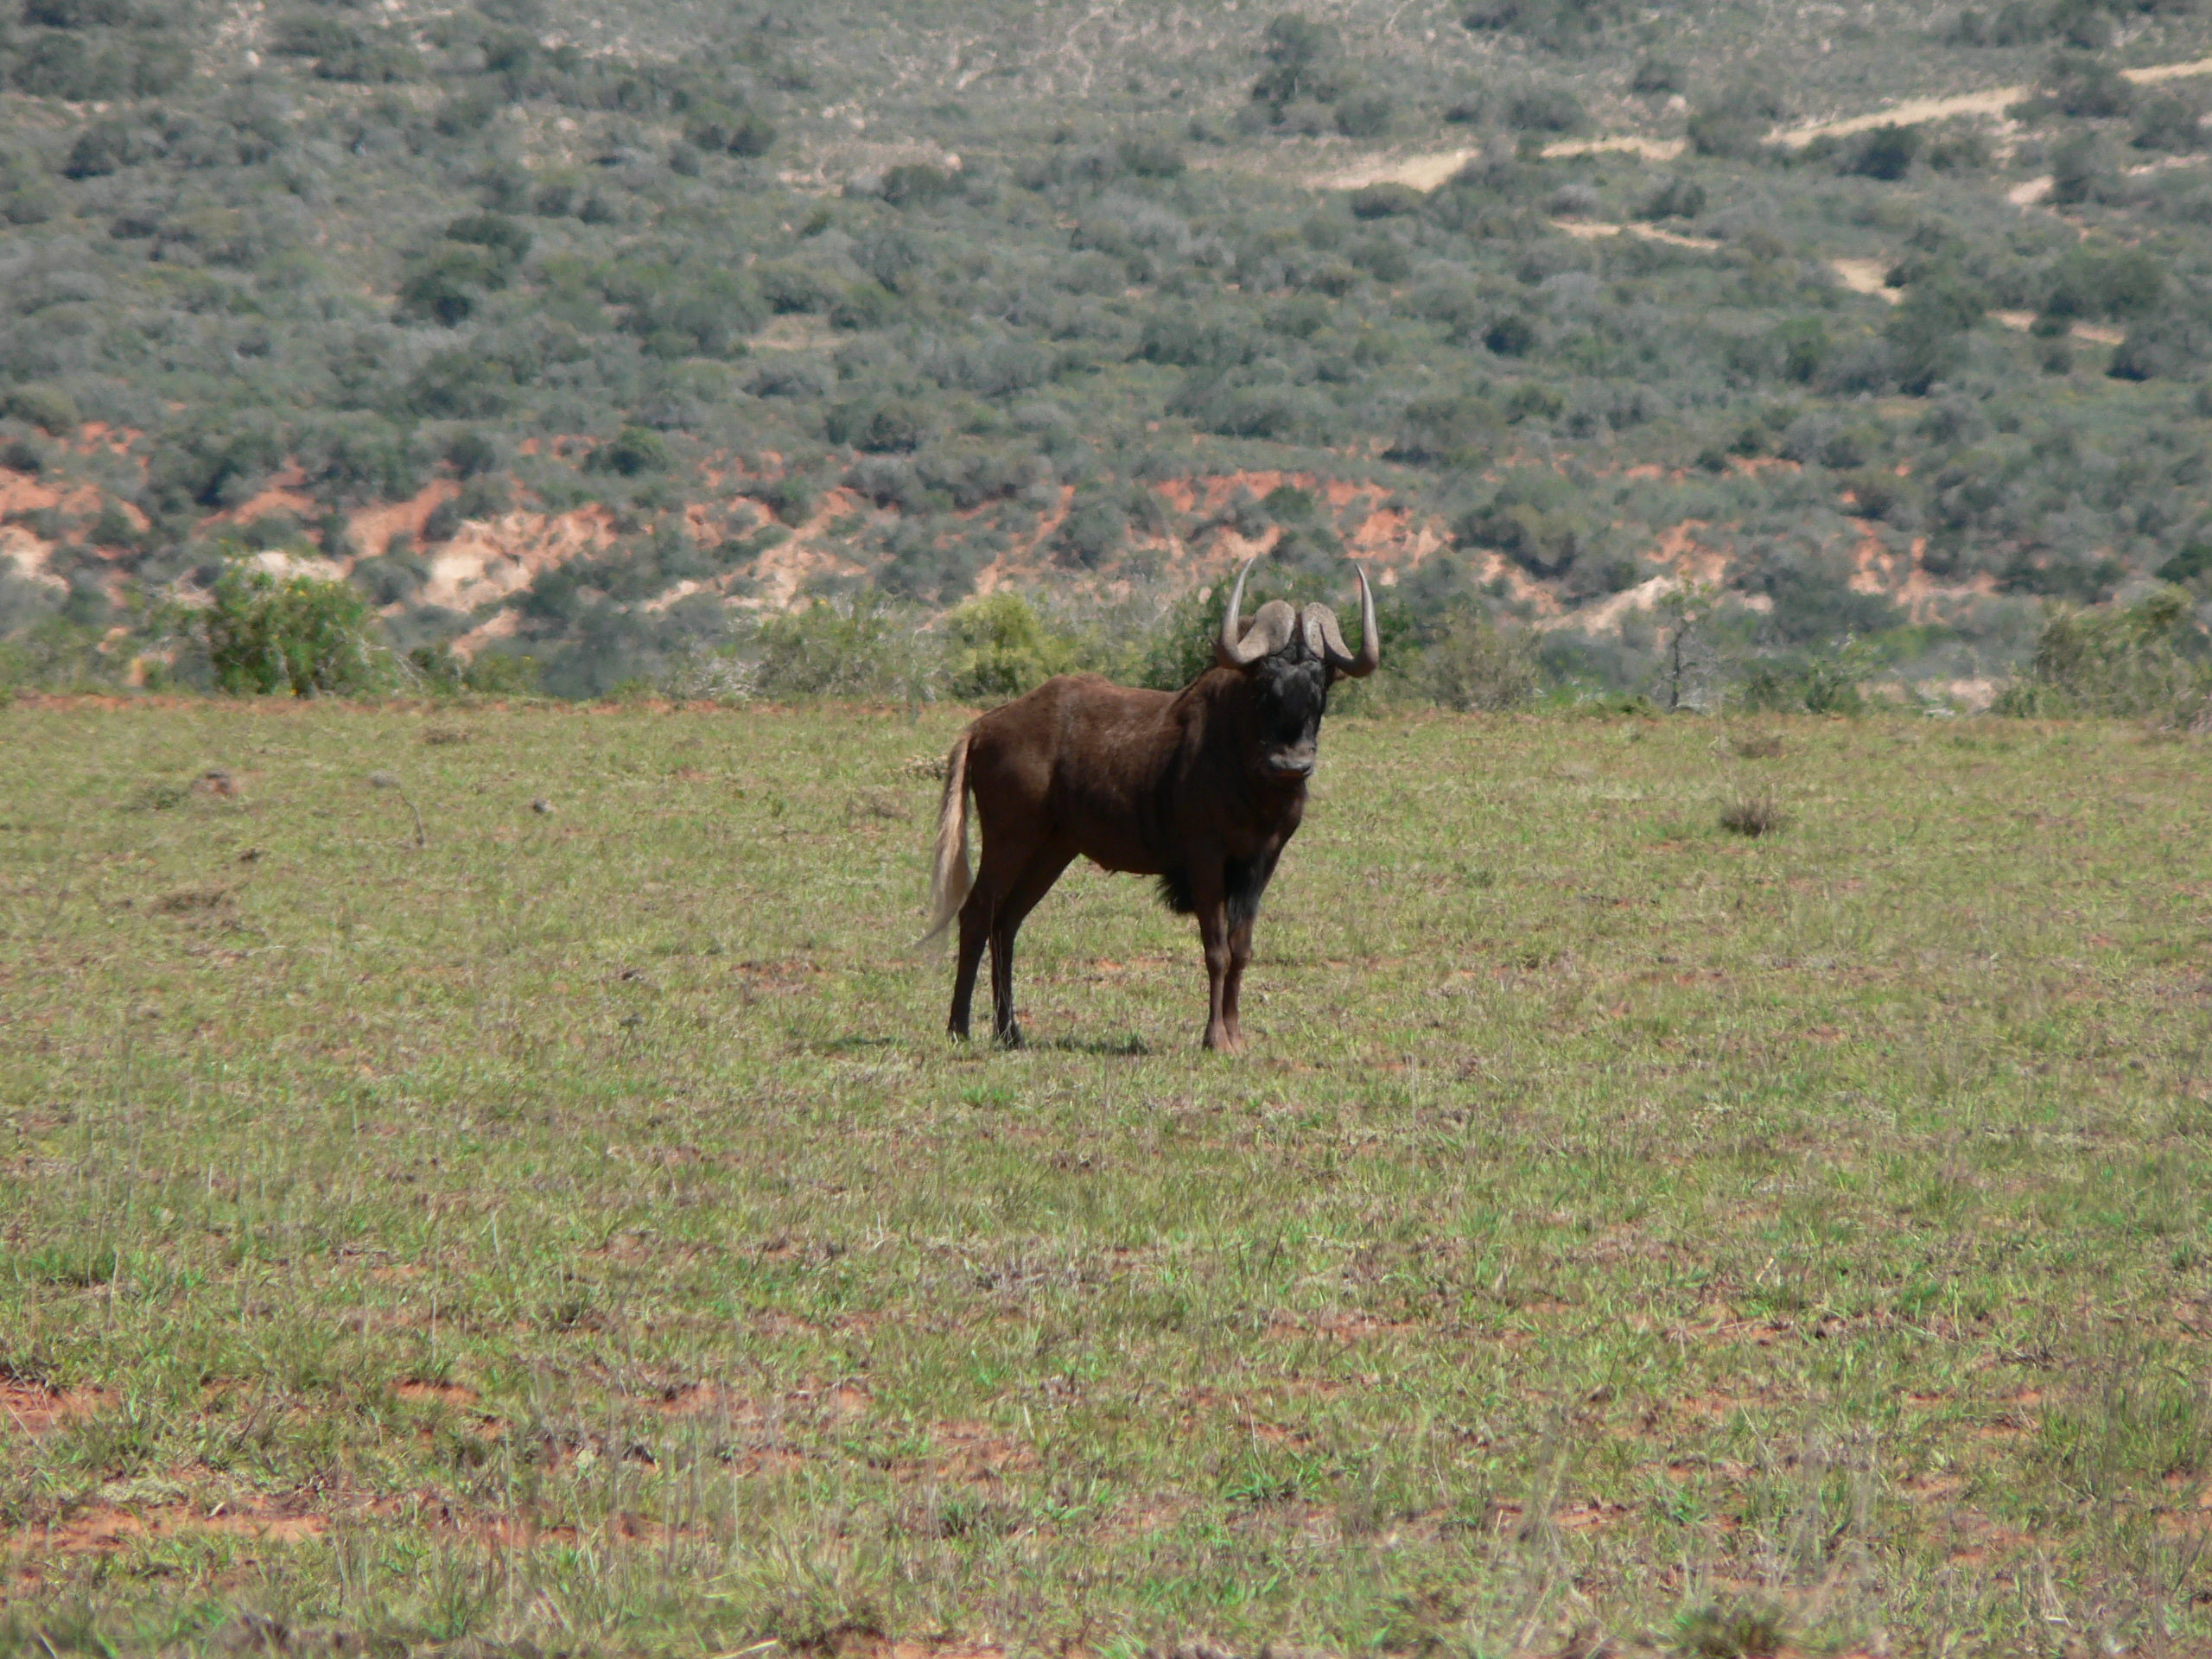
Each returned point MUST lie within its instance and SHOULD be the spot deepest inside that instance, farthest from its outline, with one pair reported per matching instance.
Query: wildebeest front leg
(1240, 954)
(1214, 935)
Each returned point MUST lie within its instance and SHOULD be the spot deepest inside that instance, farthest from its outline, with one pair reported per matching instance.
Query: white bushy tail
(949, 877)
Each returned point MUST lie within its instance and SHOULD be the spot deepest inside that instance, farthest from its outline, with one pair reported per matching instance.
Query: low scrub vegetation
(2151, 660)
(1038, 333)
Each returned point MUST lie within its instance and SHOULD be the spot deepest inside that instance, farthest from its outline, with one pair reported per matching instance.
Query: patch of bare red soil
(873, 1644)
(101, 1529)
(446, 1394)
(32, 1408)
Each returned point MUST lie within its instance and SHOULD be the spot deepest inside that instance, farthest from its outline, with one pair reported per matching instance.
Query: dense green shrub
(44, 649)
(1927, 332)
(294, 635)
(1095, 530)
(1676, 198)
(2169, 124)
(1386, 201)
(2092, 282)
(632, 451)
(858, 648)
(716, 128)
(1545, 108)
(1365, 115)
(1735, 122)
(2149, 660)
(1887, 152)
(1180, 646)
(44, 406)
(1567, 26)
(1536, 520)
(2173, 342)
(2079, 84)
(437, 670)
(447, 284)
(1816, 682)
(1472, 664)
(1304, 63)
(999, 647)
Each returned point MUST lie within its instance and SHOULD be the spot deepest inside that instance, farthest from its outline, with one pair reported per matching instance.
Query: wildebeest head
(1291, 657)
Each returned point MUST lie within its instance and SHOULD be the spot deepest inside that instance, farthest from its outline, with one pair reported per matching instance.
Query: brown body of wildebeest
(1201, 788)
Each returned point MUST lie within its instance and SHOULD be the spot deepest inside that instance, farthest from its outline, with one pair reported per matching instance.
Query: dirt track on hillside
(1428, 170)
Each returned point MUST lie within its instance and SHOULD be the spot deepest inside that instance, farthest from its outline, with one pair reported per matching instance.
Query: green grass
(577, 1232)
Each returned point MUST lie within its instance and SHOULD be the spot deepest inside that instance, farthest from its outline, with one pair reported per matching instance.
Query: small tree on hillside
(296, 634)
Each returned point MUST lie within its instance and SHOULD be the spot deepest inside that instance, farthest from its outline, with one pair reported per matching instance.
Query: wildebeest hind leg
(1035, 882)
(975, 928)
(1003, 864)
(977, 918)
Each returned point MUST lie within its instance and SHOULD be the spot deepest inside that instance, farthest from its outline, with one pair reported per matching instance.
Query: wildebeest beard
(1243, 881)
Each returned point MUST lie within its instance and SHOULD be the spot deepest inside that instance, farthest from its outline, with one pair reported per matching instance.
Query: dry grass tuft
(192, 899)
(883, 803)
(1754, 816)
(1749, 1630)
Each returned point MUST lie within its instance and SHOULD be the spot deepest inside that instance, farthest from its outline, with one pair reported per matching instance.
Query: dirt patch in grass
(32, 1408)
(692, 1399)
(972, 1453)
(860, 1644)
(1337, 1326)
(446, 1394)
(100, 1528)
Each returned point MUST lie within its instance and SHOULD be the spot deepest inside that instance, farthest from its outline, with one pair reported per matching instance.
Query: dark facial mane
(1293, 684)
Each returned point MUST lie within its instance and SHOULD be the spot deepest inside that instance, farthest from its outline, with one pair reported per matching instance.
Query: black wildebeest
(1202, 788)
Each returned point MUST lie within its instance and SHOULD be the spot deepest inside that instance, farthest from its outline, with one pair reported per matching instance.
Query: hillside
(591, 334)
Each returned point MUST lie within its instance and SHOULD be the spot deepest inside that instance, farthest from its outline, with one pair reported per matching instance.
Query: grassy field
(566, 1225)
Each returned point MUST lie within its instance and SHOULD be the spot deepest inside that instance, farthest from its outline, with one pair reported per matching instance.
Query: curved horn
(1240, 646)
(1330, 646)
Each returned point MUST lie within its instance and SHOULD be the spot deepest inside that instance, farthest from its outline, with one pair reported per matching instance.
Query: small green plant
(489, 673)
(55, 654)
(1825, 682)
(1757, 746)
(267, 634)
